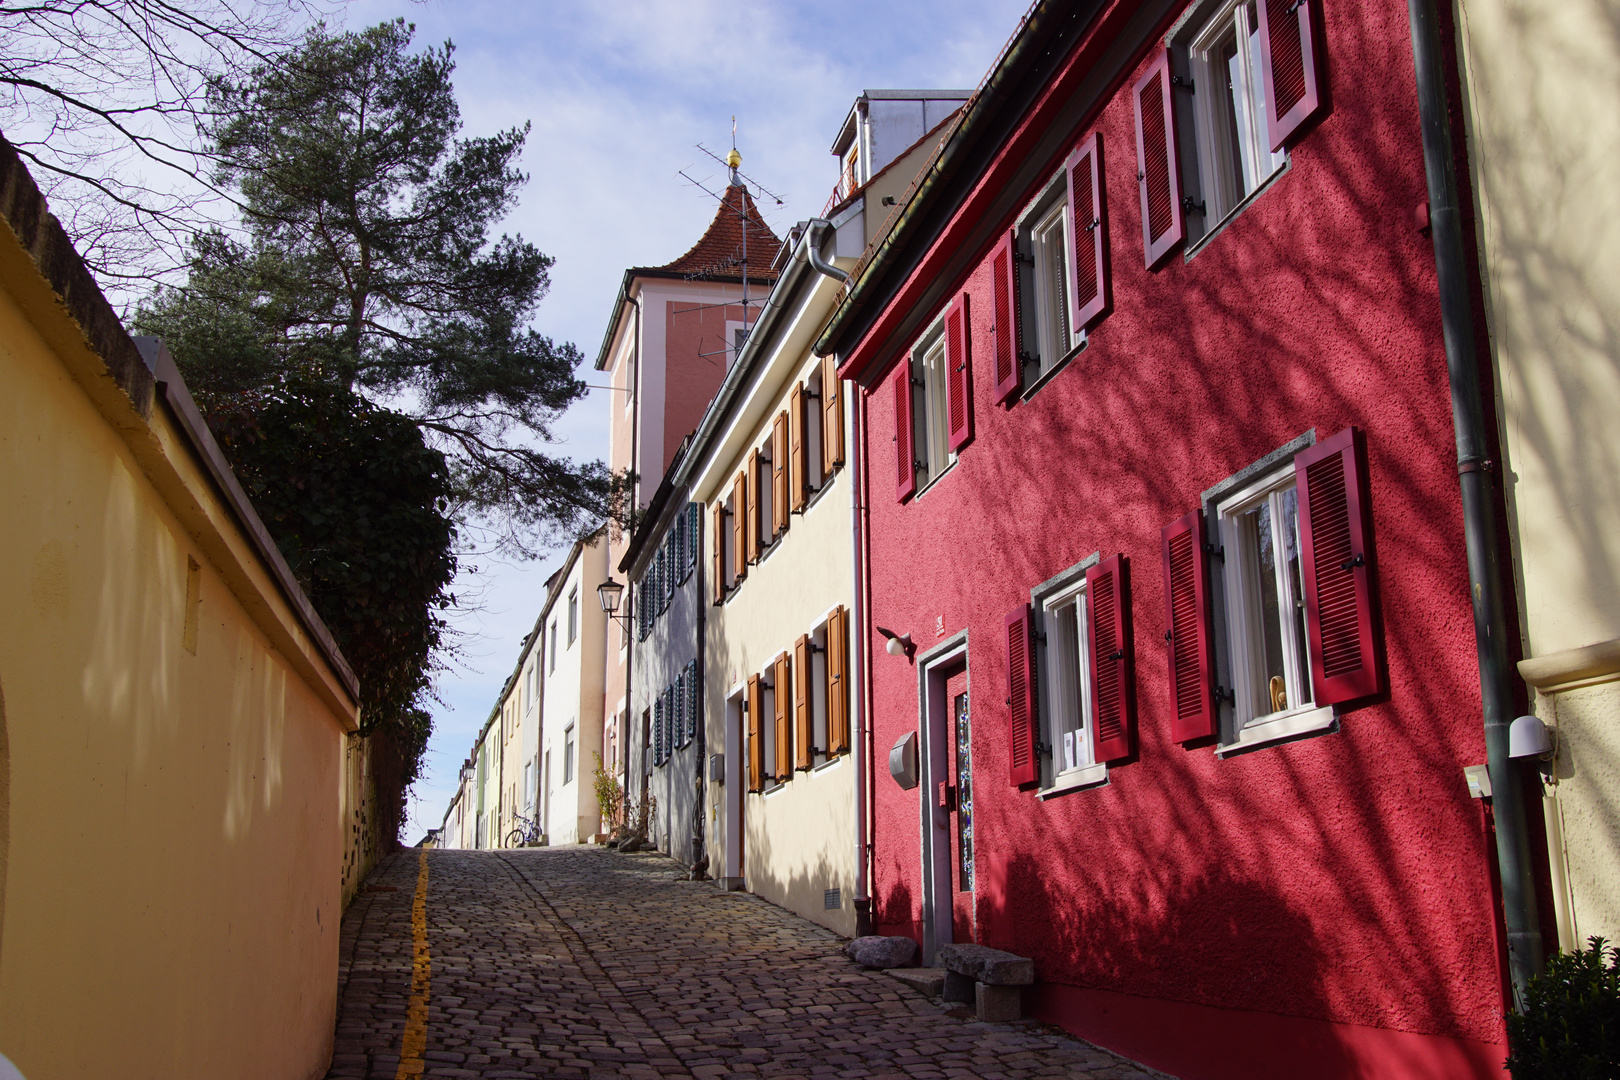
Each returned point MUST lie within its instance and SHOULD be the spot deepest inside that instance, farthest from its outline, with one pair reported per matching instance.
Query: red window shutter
(959, 370)
(1004, 332)
(798, 447)
(905, 454)
(756, 735)
(1113, 674)
(717, 556)
(832, 417)
(837, 683)
(779, 474)
(1023, 727)
(1291, 65)
(1158, 173)
(1187, 622)
(1336, 561)
(1090, 294)
(803, 727)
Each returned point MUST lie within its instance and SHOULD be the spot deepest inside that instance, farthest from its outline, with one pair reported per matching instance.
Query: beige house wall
(798, 839)
(1542, 78)
(172, 741)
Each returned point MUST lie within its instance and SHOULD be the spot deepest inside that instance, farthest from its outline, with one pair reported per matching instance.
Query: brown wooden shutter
(779, 474)
(1157, 170)
(1023, 727)
(804, 731)
(717, 559)
(1336, 563)
(1291, 66)
(837, 681)
(798, 451)
(754, 506)
(1004, 330)
(1188, 631)
(905, 451)
(1113, 674)
(832, 417)
(959, 373)
(739, 529)
(756, 735)
(1090, 295)
(783, 689)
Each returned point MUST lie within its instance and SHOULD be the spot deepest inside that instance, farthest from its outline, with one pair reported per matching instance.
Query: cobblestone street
(580, 962)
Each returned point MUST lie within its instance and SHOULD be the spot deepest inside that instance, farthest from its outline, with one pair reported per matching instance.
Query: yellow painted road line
(415, 1040)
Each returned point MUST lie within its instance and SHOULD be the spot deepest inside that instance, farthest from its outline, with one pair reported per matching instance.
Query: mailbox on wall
(903, 761)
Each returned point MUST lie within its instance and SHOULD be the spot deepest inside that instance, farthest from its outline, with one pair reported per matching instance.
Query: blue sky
(619, 95)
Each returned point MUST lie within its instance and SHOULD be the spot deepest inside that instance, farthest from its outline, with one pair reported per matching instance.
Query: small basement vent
(832, 899)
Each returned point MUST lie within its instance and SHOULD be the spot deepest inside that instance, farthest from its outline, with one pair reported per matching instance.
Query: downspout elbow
(812, 243)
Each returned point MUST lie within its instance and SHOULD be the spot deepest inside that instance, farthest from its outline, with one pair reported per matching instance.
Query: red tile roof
(719, 254)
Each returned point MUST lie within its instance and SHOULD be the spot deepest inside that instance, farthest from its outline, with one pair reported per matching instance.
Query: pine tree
(366, 261)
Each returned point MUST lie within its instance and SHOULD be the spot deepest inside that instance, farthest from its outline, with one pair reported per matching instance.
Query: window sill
(829, 764)
(942, 474)
(1231, 215)
(1079, 779)
(774, 789)
(1051, 373)
(1279, 729)
(815, 496)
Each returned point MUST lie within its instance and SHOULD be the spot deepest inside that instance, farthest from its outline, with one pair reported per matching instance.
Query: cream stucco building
(1541, 78)
(574, 633)
(175, 722)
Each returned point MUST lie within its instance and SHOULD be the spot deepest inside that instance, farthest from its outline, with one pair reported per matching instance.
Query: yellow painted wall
(171, 890)
(1542, 78)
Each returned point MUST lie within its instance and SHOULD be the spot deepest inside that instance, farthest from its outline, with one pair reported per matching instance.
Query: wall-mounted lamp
(610, 593)
(1528, 737)
(899, 644)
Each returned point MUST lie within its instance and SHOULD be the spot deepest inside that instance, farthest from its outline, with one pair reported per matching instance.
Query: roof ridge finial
(734, 159)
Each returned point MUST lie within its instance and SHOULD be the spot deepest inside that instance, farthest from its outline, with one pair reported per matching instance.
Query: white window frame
(573, 616)
(819, 718)
(1065, 710)
(1246, 727)
(1226, 183)
(930, 395)
(1046, 331)
(570, 766)
(733, 347)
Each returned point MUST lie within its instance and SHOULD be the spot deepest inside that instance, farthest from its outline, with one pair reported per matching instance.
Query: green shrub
(1570, 1026)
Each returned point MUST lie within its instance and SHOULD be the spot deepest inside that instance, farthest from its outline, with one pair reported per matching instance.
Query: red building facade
(1160, 480)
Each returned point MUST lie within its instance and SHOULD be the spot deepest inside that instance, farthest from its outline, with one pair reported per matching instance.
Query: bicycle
(527, 832)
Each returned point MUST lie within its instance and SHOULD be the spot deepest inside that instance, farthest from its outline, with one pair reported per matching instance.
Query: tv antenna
(736, 179)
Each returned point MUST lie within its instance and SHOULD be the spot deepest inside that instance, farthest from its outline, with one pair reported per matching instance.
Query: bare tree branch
(107, 99)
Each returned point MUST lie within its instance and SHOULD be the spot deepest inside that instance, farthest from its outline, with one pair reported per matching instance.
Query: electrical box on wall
(717, 768)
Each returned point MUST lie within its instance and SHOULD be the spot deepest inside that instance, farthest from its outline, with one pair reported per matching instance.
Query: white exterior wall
(661, 657)
(572, 697)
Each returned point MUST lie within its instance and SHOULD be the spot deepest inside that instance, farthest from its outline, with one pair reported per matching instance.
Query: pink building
(1161, 500)
(674, 331)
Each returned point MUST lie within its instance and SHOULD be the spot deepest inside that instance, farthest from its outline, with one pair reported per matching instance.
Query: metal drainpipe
(1474, 471)
(857, 698)
(700, 807)
(630, 586)
(813, 250)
